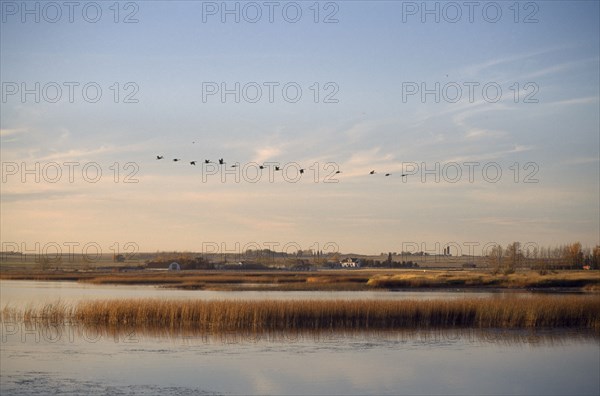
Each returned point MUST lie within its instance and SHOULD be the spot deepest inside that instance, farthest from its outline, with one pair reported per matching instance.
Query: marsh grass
(329, 280)
(581, 312)
(364, 279)
(590, 280)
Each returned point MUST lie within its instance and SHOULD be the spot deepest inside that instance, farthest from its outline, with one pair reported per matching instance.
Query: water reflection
(19, 293)
(71, 358)
(79, 332)
(433, 361)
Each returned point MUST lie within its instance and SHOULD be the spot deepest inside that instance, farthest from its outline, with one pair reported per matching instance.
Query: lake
(75, 360)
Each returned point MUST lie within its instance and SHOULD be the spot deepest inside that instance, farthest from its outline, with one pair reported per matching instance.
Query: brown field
(363, 279)
(536, 312)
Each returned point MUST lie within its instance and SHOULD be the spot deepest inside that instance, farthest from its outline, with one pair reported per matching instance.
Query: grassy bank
(366, 279)
(589, 280)
(268, 315)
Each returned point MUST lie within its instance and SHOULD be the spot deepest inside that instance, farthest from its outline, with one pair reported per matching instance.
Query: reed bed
(589, 280)
(581, 312)
(367, 279)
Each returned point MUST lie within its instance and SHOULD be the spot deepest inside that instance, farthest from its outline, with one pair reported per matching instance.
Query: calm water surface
(22, 293)
(368, 364)
(75, 360)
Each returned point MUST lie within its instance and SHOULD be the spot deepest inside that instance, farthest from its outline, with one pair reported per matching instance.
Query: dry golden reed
(328, 280)
(581, 312)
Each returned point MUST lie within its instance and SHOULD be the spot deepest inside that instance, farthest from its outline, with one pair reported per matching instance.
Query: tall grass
(441, 279)
(267, 315)
(329, 280)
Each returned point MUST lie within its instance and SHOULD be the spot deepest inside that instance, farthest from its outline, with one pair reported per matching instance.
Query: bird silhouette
(277, 168)
(301, 171)
(388, 174)
(192, 162)
(336, 172)
(372, 172)
(159, 157)
(403, 175)
(176, 159)
(221, 161)
(234, 166)
(261, 167)
(207, 161)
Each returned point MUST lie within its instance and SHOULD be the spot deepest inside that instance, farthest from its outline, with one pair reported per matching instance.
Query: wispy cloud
(575, 101)
(516, 148)
(12, 131)
(559, 68)
(581, 161)
(473, 132)
(509, 221)
(480, 133)
(477, 69)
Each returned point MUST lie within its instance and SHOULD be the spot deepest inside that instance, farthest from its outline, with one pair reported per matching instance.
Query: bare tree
(44, 262)
(573, 255)
(596, 257)
(514, 257)
(494, 258)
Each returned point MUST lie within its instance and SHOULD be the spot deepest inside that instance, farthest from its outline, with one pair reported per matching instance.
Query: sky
(490, 110)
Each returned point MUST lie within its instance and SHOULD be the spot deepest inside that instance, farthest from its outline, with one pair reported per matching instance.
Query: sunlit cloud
(264, 154)
(478, 133)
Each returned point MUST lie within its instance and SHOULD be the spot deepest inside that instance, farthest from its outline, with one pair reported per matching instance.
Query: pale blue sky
(169, 53)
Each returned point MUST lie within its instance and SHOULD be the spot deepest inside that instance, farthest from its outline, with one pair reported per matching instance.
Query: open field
(581, 312)
(364, 279)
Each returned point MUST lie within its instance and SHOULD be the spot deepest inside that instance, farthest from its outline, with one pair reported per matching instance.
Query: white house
(350, 263)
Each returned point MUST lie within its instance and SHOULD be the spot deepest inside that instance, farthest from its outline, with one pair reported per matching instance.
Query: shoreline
(340, 280)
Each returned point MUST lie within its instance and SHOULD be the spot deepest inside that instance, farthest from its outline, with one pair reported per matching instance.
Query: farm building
(350, 263)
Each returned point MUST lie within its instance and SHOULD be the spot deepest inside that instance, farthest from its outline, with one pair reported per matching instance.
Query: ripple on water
(43, 383)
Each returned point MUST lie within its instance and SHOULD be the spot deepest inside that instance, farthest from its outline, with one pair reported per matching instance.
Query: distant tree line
(185, 261)
(498, 258)
(388, 263)
(516, 256)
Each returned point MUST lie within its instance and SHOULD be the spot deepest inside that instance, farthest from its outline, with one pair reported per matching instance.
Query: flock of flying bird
(277, 168)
